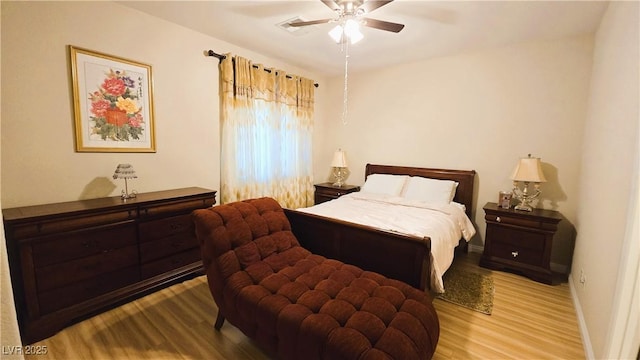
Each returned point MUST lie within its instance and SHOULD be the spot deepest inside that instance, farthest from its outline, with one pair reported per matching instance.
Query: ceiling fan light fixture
(352, 31)
(336, 34)
(349, 31)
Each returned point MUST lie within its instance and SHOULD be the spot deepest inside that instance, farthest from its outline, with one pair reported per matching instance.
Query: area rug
(468, 289)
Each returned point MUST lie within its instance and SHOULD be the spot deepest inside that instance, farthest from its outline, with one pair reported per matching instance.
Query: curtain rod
(222, 57)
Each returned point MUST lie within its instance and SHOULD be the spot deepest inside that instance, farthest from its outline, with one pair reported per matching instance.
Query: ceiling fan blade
(307, 23)
(383, 25)
(370, 5)
(331, 4)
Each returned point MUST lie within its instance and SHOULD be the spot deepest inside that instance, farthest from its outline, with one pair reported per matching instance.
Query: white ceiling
(433, 28)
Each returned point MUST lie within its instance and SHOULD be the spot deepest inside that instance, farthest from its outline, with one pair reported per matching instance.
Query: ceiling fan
(355, 10)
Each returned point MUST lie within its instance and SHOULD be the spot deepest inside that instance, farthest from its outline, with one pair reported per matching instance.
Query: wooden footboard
(394, 255)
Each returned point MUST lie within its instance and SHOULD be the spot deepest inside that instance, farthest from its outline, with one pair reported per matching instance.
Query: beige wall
(479, 111)
(9, 333)
(608, 173)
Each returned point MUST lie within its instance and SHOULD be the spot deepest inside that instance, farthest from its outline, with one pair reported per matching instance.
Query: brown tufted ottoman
(297, 305)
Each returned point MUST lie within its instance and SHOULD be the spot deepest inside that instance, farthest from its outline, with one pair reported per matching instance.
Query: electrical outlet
(583, 277)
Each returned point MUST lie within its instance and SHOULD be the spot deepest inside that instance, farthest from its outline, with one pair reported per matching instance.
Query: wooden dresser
(74, 259)
(520, 241)
(328, 191)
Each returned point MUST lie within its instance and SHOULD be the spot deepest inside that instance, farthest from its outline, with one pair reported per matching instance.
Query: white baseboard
(582, 325)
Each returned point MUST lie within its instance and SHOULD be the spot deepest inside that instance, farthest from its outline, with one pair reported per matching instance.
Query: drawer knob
(514, 254)
(498, 219)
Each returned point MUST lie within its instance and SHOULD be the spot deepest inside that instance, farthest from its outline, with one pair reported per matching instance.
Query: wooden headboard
(464, 178)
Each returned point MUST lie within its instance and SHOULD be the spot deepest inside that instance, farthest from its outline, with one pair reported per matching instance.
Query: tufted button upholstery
(297, 305)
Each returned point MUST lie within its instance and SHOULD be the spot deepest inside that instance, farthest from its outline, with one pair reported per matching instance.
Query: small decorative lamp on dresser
(520, 241)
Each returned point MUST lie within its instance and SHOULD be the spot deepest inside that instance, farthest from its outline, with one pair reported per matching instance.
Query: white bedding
(444, 224)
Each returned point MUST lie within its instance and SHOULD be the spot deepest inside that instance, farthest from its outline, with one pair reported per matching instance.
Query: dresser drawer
(170, 263)
(71, 223)
(152, 250)
(157, 229)
(72, 294)
(53, 276)
(177, 206)
(68, 246)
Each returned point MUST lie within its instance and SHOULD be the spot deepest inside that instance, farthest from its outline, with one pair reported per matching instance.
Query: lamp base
(340, 175)
(126, 196)
(524, 196)
(125, 193)
(523, 207)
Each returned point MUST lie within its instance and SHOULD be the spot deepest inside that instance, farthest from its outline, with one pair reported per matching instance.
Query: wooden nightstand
(326, 191)
(520, 241)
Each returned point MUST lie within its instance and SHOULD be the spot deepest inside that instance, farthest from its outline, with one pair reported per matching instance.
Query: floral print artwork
(112, 103)
(116, 111)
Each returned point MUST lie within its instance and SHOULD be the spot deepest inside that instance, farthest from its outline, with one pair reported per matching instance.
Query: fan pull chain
(345, 99)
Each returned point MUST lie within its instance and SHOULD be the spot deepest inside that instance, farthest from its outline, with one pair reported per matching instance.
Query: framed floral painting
(113, 103)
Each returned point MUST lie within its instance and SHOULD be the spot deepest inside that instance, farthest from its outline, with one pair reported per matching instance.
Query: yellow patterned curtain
(266, 133)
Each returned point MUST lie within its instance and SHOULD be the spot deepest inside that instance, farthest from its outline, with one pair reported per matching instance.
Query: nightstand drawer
(331, 193)
(507, 220)
(517, 254)
(521, 239)
(327, 191)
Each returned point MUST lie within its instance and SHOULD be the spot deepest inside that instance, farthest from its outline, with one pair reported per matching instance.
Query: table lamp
(125, 171)
(339, 165)
(528, 170)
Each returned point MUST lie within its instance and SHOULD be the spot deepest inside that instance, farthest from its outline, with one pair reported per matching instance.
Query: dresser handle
(90, 244)
(514, 254)
(498, 219)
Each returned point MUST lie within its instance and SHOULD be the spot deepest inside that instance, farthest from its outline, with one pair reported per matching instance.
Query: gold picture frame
(113, 103)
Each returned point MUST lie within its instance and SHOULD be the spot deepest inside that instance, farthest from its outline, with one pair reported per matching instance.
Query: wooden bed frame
(394, 255)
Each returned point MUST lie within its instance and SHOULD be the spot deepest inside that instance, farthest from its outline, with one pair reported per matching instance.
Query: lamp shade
(530, 170)
(339, 159)
(125, 171)
(349, 30)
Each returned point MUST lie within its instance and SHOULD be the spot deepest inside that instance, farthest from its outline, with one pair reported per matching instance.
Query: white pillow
(385, 184)
(430, 190)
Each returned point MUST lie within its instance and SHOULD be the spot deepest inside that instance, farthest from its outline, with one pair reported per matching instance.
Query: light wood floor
(529, 321)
